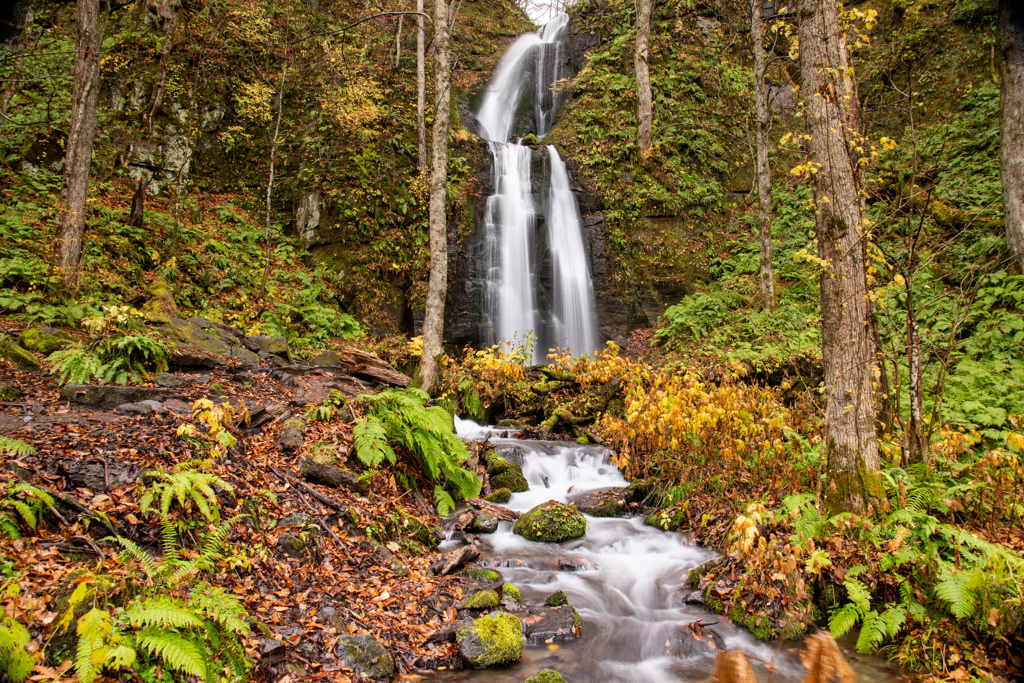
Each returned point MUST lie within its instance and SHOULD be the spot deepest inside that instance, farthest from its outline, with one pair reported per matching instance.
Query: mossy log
(332, 476)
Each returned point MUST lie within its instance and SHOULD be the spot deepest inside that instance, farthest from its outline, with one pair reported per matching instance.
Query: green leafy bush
(401, 417)
(117, 360)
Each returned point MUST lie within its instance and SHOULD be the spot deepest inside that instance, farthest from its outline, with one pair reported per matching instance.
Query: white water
(632, 603)
(512, 309)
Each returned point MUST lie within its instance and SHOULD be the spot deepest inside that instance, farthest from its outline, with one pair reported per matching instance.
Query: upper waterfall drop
(516, 250)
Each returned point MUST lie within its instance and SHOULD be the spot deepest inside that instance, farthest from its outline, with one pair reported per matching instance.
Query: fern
(160, 612)
(176, 652)
(443, 501)
(24, 502)
(94, 629)
(15, 660)
(15, 448)
(371, 442)
(187, 487)
(955, 591)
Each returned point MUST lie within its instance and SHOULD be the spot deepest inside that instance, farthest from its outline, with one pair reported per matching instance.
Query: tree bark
(421, 92)
(437, 287)
(398, 40)
(644, 115)
(831, 100)
(764, 197)
(78, 156)
(270, 180)
(1011, 107)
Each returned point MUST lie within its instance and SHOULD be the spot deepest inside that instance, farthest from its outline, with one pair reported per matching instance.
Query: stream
(633, 601)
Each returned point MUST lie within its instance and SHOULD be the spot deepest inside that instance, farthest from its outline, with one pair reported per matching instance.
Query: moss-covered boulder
(499, 496)
(551, 522)
(485, 575)
(490, 641)
(545, 676)
(511, 590)
(556, 599)
(365, 655)
(481, 600)
(43, 339)
(484, 523)
(18, 357)
(511, 478)
(160, 308)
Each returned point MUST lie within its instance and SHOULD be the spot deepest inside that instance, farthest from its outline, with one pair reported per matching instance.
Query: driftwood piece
(363, 365)
(331, 475)
(493, 509)
(455, 560)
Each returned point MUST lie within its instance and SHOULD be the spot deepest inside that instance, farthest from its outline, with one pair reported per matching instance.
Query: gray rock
(264, 345)
(454, 560)
(484, 523)
(365, 655)
(292, 436)
(554, 623)
(147, 407)
(205, 344)
(18, 357)
(608, 502)
(83, 474)
(574, 564)
(107, 396)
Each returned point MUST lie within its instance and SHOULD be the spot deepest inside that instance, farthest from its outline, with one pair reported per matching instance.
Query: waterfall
(513, 308)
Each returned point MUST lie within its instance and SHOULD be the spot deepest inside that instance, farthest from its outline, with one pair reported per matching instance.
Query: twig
(106, 473)
(89, 542)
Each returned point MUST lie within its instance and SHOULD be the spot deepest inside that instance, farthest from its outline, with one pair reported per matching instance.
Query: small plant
(217, 438)
(119, 360)
(401, 417)
(25, 504)
(187, 487)
(15, 660)
(14, 447)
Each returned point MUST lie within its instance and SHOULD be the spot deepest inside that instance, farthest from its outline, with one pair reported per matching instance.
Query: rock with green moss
(551, 522)
(512, 591)
(18, 357)
(491, 641)
(488, 575)
(484, 523)
(365, 655)
(668, 519)
(9, 392)
(512, 479)
(556, 599)
(481, 600)
(530, 140)
(43, 339)
(496, 464)
(760, 625)
(160, 308)
(499, 496)
(203, 343)
(292, 436)
(545, 676)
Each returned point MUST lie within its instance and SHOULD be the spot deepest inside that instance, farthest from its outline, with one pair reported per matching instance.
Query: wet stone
(365, 655)
(554, 623)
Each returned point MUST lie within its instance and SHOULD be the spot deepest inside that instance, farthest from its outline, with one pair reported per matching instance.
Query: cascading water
(629, 588)
(513, 310)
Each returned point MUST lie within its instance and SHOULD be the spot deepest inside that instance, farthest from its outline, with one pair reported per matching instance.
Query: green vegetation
(551, 522)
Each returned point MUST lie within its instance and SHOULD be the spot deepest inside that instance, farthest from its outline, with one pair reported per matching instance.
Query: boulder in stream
(609, 502)
(551, 522)
(499, 496)
(506, 475)
(492, 640)
(455, 559)
(483, 523)
(554, 623)
(545, 676)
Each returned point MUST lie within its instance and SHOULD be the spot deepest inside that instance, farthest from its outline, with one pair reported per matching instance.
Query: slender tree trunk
(917, 444)
(847, 347)
(433, 323)
(270, 179)
(78, 156)
(644, 115)
(421, 92)
(169, 12)
(1011, 82)
(398, 40)
(764, 182)
(19, 63)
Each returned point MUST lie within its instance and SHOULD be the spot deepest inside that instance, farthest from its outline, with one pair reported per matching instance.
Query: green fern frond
(893, 618)
(15, 448)
(443, 500)
(872, 632)
(220, 607)
(15, 660)
(94, 627)
(176, 652)
(858, 594)
(135, 552)
(953, 590)
(160, 612)
(843, 620)
(371, 443)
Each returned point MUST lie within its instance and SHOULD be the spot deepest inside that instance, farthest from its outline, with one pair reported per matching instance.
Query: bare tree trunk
(764, 181)
(433, 323)
(1011, 107)
(19, 63)
(847, 346)
(643, 75)
(137, 216)
(421, 92)
(917, 444)
(398, 40)
(75, 185)
(270, 180)
(168, 21)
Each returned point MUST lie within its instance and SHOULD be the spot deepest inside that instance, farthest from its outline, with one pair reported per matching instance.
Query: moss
(494, 639)
(19, 357)
(511, 590)
(499, 496)
(484, 574)
(43, 339)
(497, 465)
(546, 676)
(481, 600)
(531, 140)
(511, 479)
(582, 439)
(693, 578)
(761, 631)
(551, 522)
(556, 599)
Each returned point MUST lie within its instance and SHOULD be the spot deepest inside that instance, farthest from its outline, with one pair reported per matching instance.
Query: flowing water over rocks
(627, 580)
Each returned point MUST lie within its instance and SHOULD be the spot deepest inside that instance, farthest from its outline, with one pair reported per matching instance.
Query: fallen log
(363, 365)
(493, 509)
